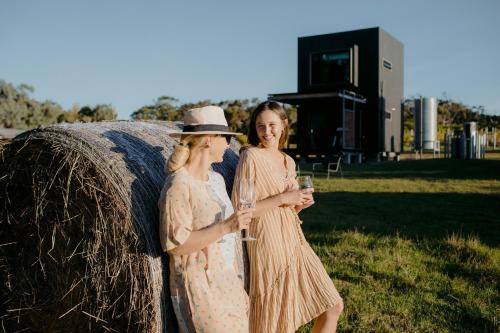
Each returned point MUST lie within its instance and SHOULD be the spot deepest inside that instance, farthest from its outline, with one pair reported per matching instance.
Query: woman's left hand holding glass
(307, 201)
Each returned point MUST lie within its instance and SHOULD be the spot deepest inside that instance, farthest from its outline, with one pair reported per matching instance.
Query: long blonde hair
(182, 151)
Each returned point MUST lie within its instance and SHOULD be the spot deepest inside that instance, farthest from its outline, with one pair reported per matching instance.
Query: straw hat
(205, 120)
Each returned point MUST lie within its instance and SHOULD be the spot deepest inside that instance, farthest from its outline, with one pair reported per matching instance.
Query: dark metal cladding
(350, 89)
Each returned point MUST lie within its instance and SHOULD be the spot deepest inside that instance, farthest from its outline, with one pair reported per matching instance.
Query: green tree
(13, 109)
(163, 109)
(19, 110)
(86, 114)
(70, 116)
(237, 114)
(25, 88)
(104, 112)
(50, 111)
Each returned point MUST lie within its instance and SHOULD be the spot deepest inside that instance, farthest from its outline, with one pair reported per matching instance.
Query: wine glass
(305, 182)
(247, 200)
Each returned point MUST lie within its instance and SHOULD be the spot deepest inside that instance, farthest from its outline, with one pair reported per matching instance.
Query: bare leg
(319, 323)
(327, 321)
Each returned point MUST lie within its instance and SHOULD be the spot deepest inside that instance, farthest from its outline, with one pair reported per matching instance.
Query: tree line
(237, 111)
(19, 110)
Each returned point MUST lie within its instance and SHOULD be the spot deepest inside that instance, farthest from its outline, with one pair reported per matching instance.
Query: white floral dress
(206, 293)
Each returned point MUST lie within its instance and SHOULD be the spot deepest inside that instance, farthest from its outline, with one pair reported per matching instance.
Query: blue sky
(128, 53)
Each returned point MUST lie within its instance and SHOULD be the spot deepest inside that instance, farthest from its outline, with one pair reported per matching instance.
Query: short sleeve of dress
(246, 169)
(176, 215)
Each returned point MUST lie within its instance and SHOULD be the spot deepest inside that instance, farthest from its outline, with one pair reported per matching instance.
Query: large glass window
(330, 67)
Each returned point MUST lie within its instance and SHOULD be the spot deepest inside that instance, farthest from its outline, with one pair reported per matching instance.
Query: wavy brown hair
(275, 107)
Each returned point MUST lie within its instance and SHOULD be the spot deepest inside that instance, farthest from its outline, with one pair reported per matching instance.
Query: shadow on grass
(428, 169)
(411, 215)
(460, 318)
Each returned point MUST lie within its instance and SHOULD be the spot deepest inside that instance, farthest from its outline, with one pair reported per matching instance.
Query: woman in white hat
(206, 292)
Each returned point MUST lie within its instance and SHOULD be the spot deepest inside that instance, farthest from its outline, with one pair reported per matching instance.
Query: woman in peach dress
(288, 283)
(207, 294)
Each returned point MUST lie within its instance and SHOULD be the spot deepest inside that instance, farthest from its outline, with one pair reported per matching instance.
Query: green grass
(412, 246)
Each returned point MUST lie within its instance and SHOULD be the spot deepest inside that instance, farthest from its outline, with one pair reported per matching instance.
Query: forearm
(200, 239)
(265, 205)
(297, 199)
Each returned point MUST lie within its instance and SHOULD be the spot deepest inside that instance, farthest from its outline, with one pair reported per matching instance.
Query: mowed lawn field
(412, 246)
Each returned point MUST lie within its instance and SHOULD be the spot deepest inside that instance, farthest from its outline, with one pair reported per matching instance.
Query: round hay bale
(79, 244)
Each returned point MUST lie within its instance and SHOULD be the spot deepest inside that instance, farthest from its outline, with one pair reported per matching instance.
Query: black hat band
(205, 128)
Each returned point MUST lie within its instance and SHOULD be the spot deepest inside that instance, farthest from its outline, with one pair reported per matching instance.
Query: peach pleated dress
(288, 283)
(206, 293)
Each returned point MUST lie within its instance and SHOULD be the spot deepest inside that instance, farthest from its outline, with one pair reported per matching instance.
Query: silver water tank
(425, 123)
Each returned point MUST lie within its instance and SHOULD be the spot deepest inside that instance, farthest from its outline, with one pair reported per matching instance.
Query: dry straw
(79, 245)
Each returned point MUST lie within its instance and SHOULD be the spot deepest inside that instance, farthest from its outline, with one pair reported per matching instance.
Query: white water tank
(425, 123)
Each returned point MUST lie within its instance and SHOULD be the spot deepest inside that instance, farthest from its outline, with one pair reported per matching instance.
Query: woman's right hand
(239, 220)
(294, 197)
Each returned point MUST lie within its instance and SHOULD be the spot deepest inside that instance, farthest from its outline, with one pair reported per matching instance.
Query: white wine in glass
(247, 200)
(305, 182)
